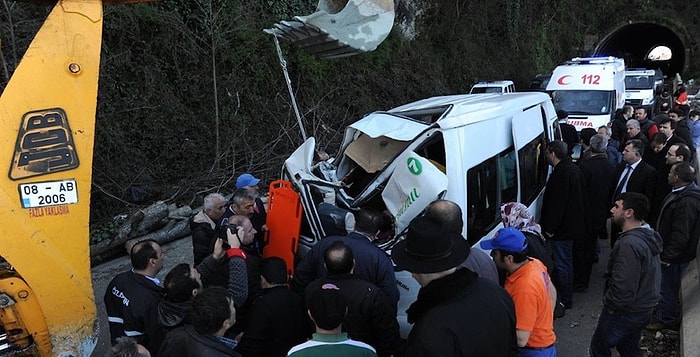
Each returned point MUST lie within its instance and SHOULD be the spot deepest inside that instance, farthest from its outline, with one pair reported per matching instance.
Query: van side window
(489, 184)
(533, 169)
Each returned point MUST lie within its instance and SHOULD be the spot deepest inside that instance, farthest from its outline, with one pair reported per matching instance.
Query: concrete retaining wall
(690, 302)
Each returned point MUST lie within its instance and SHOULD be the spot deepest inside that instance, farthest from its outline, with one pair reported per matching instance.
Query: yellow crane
(47, 121)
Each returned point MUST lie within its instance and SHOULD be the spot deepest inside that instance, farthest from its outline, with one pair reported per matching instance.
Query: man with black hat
(456, 312)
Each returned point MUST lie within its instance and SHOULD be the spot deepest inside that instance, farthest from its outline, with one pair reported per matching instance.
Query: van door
(530, 142)
(414, 183)
(312, 189)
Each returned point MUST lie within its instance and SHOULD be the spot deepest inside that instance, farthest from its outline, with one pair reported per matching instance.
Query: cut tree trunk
(158, 221)
(173, 230)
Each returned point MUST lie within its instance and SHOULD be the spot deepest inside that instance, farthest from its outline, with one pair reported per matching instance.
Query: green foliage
(103, 231)
(165, 66)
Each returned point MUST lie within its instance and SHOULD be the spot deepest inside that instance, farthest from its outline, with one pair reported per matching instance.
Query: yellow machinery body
(47, 121)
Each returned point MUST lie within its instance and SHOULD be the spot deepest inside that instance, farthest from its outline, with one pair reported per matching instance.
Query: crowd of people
(342, 298)
(644, 165)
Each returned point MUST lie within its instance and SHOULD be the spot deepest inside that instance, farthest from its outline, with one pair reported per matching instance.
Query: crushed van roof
(464, 106)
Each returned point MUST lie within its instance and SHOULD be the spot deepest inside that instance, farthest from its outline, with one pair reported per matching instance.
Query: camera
(221, 233)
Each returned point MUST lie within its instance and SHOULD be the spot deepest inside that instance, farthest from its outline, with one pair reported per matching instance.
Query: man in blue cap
(532, 291)
(258, 216)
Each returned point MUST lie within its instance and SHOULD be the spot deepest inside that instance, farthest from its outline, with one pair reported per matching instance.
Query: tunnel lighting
(660, 53)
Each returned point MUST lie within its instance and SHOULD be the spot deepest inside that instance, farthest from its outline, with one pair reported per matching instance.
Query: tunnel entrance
(635, 42)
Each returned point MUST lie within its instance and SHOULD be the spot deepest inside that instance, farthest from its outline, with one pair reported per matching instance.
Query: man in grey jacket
(632, 282)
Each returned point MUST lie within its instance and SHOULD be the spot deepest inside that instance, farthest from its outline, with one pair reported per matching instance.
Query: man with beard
(632, 281)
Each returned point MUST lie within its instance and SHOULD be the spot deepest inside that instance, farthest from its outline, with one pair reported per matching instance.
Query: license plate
(40, 194)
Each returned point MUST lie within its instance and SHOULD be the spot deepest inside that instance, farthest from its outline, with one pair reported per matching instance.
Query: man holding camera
(245, 233)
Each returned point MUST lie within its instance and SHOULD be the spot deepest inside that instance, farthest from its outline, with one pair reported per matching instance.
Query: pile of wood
(159, 221)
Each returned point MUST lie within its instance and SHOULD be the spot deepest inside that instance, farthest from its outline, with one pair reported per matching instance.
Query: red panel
(283, 223)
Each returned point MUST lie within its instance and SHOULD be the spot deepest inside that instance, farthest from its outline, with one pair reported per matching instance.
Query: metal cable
(283, 63)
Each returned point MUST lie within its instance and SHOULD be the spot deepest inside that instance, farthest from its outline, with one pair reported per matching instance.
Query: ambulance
(590, 89)
(641, 85)
(477, 150)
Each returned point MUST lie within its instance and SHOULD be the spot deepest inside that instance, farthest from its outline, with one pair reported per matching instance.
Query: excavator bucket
(339, 28)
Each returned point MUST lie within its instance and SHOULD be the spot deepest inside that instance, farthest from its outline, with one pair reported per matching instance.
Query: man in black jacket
(679, 226)
(563, 217)
(370, 318)
(132, 297)
(213, 313)
(373, 264)
(259, 215)
(619, 124)
(631, 281)
(597, 173)
(184, 282)
(632, 175)
(276, 321)
(456, 312)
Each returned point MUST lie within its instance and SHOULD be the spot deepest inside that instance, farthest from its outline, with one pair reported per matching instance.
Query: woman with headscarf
(516, 215)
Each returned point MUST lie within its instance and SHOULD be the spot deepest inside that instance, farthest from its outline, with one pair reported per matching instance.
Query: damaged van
(477, 150)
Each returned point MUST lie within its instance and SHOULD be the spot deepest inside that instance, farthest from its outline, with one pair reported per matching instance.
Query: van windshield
(583, 102)
(477, 90)
(639, 82)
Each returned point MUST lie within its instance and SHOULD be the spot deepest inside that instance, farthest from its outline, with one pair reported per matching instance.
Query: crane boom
(47, 117)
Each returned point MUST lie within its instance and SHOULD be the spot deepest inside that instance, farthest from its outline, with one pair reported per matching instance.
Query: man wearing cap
(456, 312)
(259, 216)
(327, 309)
(632, 281)
(532, 291)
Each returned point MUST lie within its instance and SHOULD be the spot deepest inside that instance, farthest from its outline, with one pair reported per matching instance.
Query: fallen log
(151, 222)
(180, 213)
(173, 230)
(141, 222)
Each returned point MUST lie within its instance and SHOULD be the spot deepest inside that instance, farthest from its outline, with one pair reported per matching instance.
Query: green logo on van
(414, 166)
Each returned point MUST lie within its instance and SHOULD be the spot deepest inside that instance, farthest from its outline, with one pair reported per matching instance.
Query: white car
(493, 87)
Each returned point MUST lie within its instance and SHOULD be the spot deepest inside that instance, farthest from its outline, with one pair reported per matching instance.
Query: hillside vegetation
(192, 93)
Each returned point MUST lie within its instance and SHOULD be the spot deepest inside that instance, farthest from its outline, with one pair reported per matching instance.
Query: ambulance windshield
(583, 102)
